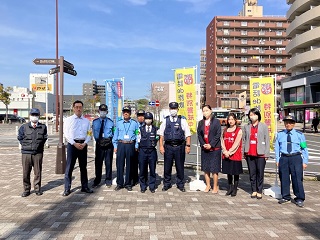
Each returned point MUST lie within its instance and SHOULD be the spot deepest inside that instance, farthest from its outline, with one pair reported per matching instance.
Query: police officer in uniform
(102, 129)
(174, 144)
(148, 153)
(289, 146)
(125, 145)
(32, 137)
(135, 175)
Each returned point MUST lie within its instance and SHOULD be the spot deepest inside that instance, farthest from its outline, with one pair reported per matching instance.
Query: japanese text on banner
(262, 97)
(186, 95)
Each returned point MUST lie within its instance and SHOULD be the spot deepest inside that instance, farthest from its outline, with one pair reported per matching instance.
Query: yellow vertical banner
(186, 95)
(262, 97)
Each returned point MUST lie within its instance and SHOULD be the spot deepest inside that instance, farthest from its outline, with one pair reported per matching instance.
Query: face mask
(173, 112)
(34, 119)
(148, 121)
(103, 114)
(254, 118)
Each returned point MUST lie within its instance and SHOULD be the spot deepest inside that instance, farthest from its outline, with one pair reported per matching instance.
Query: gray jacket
(263, 139)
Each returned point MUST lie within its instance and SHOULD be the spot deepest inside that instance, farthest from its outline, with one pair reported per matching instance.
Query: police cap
(103, 107)
(140, 112)
(173, 105)
(35, 111)
(148, 115)
(126, 108)
(289, 118)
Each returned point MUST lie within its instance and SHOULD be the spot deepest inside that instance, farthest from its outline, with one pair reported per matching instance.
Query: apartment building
(301, 91)
(240, 47)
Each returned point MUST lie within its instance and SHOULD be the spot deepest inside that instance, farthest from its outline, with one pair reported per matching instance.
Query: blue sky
(141, 40)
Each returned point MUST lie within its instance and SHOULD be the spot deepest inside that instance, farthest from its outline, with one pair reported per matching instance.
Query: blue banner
(114, 98)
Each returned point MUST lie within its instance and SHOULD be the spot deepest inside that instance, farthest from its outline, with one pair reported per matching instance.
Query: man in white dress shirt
(77, 131)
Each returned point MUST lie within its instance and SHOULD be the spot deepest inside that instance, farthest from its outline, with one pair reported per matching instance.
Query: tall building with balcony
(93, 89)
(301, 91)
(202, 77)
(240, 47)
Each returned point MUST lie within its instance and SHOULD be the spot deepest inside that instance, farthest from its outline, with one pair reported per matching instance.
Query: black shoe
(143, 190)
(108, 185)
(94, 185)
(39, 193)
(164, 189)
(25, 194)
(230, 189)
(117, 188)
(66, 193)
(152, 190)
(86, 190)
(283, 201)
(129, 188)
(182, 189)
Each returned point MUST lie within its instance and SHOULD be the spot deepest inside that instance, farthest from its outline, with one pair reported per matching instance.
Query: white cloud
(100, 8)
(138, 2)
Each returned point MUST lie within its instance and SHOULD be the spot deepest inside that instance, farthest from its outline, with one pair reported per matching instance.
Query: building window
(226, 32)
(279, 69)
(226, 50)
(244, 41)
(262, 24)
(243, 77)
(244, 69)
(226, 59)
(261, 33)
(244, 50)
(225, 77)
(261, 59)
(244, 32)
(261, 69)
(262, 41)
(279, 24)
(226, 41)
(278, 60)
(279, 42)
(244, 86)
(279, 33)
(279, 51)
(244, 59)
(226, 68)
(261, 50)
(226, 23)
(244, 24)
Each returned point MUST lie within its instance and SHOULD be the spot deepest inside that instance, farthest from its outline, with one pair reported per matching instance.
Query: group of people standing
(252, 143)
(134, 143)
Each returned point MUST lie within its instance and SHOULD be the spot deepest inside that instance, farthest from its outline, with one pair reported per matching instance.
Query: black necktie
(101, 129)
(173, 119)
(148, 130)
(289, 146)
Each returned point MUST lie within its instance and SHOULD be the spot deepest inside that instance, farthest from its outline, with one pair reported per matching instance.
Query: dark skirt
(231, 167)
(211, 161)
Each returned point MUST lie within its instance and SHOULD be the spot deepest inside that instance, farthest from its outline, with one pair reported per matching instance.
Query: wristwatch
(188, 145)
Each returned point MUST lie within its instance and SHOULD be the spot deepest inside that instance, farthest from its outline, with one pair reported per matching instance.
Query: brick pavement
(107, 214)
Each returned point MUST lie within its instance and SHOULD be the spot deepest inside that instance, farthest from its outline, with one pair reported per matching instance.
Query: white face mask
(148, 121)
(103, 114)
(173, 112)
(254, 118)
(34, 119)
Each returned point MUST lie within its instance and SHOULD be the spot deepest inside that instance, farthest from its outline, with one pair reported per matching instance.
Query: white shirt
(184, 126)
(75, 127)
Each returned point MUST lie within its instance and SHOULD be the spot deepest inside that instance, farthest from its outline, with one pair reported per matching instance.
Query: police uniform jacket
(107, 128)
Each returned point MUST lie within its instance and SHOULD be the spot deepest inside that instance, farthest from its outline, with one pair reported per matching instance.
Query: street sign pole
(61, 149)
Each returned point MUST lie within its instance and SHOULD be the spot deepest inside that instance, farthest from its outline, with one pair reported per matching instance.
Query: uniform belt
(291, 154)
(174, 143)
(126, 142)
(78, 141)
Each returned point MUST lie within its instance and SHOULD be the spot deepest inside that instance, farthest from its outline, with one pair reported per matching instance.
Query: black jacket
(214, 133)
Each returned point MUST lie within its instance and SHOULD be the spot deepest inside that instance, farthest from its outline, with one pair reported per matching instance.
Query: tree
(5, 98)
(142, 103)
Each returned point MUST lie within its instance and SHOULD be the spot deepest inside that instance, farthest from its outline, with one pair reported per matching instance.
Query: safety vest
(173, 131)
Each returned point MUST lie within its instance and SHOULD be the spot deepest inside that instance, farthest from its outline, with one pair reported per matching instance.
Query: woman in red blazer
(209, 133)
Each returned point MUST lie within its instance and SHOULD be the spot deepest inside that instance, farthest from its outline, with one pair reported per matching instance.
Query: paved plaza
(107, 214)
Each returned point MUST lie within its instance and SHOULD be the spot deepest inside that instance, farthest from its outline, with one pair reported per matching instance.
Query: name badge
(126, 136)
(253, 142)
